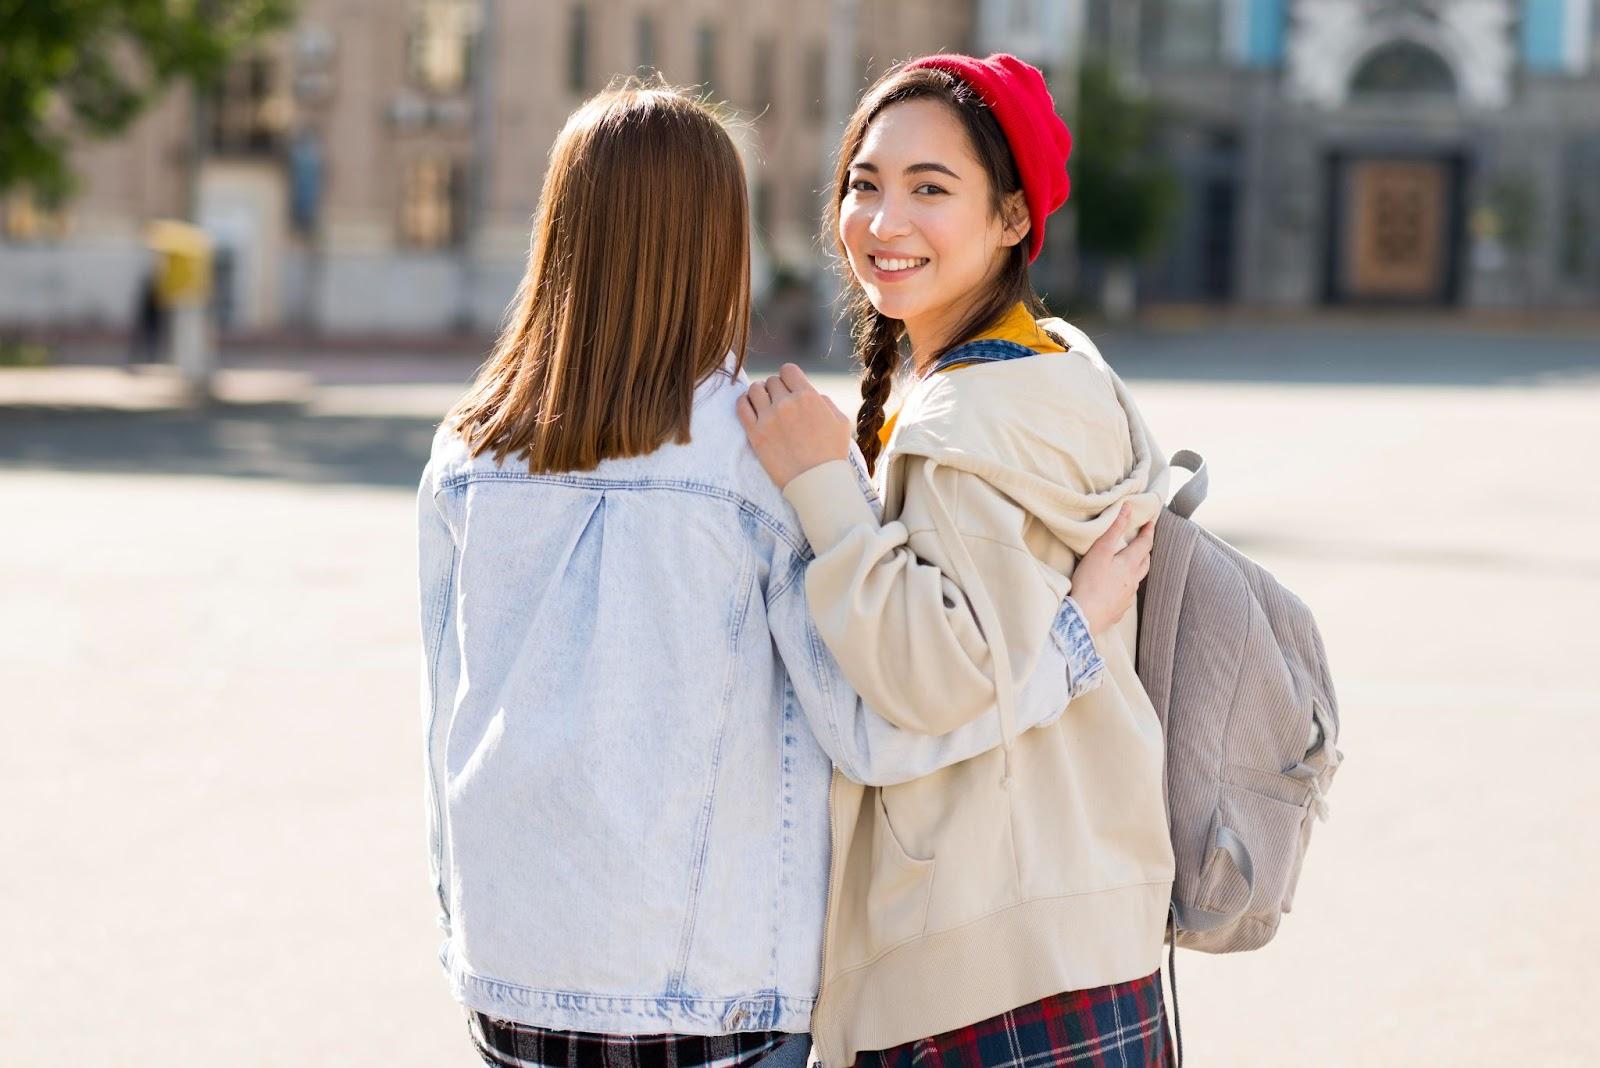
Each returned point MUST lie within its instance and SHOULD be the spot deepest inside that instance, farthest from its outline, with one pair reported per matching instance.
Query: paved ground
(214, 851)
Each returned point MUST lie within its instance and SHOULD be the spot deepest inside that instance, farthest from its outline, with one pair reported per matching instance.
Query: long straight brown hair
(637, 287)
(878, 337)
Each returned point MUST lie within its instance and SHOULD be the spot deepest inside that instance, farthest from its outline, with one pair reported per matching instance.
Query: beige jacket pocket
(900, 887)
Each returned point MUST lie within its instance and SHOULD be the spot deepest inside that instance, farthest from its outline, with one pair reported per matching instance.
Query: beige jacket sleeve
(886, 600)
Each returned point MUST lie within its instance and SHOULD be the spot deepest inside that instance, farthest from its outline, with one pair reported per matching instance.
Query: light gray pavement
(213, 851)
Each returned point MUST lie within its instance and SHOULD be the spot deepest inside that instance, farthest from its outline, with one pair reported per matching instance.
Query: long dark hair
(637, 287)
(878, 337)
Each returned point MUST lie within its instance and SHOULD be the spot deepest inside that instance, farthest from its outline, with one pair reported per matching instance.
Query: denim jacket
(630, 721)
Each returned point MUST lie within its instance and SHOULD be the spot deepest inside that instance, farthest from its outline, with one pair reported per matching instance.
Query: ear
(1018, 225)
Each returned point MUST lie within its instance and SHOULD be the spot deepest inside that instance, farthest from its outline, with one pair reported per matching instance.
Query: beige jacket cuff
(830, 503)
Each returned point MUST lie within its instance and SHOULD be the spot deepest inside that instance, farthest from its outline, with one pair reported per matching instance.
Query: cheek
(852, 226)
(965, 242)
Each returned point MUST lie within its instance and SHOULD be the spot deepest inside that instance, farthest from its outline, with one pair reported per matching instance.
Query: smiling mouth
(896, 264)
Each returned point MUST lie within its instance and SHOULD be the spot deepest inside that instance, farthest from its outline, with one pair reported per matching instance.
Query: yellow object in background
(183, 272)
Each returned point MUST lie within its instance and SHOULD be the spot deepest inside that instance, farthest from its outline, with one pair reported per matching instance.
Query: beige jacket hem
(1009, 958)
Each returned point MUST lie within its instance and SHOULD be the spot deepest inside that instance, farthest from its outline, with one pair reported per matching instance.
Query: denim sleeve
(441, 668)
(1085, 669)
(868, 748)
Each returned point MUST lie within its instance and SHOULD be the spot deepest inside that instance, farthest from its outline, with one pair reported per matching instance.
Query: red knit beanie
(1040, 141)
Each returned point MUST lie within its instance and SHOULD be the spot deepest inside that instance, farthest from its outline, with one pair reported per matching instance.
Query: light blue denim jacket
(630, 721)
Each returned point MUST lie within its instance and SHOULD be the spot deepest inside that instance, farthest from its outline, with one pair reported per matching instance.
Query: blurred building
(377, 167)
(1442, 152)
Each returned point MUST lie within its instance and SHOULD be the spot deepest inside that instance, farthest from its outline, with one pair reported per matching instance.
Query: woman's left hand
(791, 426)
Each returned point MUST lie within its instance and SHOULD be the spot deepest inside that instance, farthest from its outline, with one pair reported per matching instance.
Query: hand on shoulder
(791, 426)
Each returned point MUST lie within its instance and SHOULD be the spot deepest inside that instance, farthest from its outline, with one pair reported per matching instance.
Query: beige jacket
(1040, 867)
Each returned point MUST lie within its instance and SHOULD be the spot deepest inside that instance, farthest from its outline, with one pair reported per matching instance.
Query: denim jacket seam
(703, 831)
(591, 999)
(441, 607)
(706, 489)
(788, 582)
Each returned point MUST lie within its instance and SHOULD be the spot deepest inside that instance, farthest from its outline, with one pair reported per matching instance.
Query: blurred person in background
(1010, 909)
(630, 718)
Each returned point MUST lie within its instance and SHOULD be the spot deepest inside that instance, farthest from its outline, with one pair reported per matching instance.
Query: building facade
(376, 168)
(1429, 152)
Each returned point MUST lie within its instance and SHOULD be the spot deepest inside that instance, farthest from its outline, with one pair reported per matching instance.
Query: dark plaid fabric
(1119, 1026)
(512, 1045)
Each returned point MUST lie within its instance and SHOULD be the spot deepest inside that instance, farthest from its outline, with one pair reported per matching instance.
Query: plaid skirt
(512, 1045)
(1118, 1026)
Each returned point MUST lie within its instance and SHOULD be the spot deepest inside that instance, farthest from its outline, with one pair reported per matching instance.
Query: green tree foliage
(1126, 196)
(75, 69)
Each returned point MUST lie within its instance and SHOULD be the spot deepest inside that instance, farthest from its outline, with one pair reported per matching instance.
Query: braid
(878, 348)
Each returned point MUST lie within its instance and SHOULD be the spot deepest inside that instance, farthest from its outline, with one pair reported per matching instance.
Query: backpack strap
(1187, 499)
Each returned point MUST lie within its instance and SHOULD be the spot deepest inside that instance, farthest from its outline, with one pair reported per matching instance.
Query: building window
(440, 44)
(762, 96)
(705, 56)
(251, 109)
(1404, 67)
(432, 203)
(645, 33)
(578, 50)
(1189, 32)
(816, 82)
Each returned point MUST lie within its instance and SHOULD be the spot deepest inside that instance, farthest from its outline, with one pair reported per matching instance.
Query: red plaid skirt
(1118, 1026)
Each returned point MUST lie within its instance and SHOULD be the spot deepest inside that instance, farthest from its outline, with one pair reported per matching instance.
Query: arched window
(1404, 67)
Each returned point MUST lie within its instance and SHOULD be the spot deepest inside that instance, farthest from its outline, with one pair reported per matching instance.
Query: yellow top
(183, 272)
(1016, 325)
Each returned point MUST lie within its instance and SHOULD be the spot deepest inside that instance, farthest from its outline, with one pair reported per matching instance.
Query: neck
(935, 330)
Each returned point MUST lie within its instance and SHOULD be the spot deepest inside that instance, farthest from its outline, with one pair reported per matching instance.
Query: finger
(776, 389)
(1111, 540)
(759, 401)
(746, 413)
(795, 379)
(1141, 545)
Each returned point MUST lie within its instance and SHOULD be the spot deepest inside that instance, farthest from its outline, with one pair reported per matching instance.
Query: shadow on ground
(288, 442)
(1353, 356)
(279, 442)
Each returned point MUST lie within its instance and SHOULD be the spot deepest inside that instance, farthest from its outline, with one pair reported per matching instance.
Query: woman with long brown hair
(630, 717)
(1007, 910)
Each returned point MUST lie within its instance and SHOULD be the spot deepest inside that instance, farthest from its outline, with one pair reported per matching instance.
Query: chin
(893, 305)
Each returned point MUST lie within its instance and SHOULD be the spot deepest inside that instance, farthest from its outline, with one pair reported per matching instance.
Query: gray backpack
(1235, 667)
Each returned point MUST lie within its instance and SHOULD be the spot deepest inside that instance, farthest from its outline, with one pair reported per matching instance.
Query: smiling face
(918, 221)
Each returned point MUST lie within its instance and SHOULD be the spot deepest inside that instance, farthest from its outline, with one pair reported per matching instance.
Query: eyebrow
(915, 168)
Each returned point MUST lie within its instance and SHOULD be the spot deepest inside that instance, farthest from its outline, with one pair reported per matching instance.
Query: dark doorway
(1394, 232)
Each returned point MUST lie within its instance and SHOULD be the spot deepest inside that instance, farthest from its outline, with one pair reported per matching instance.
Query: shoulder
(1051, 399)
(448, 457)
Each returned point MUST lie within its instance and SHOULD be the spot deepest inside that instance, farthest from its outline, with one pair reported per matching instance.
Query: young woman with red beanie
(1010, 909)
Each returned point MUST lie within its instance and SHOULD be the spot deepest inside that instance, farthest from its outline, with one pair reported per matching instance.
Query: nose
(889, 221)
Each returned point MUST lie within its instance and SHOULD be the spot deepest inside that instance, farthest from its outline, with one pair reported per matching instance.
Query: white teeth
(896, 264)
